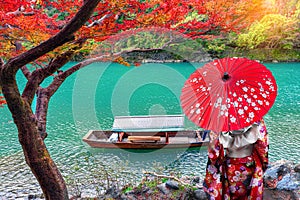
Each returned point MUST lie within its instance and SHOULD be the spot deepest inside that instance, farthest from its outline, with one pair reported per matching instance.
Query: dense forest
(266, 30)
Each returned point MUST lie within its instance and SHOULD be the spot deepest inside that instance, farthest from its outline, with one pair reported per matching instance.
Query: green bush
(273, 31)
(267, 55)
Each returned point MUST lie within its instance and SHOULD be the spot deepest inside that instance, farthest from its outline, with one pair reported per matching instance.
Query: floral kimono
(230, 177)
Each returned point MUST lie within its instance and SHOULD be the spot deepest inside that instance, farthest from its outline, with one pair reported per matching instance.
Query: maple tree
(35, 151)
(47, 34)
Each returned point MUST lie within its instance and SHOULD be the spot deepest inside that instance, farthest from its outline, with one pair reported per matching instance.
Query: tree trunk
(34, 148)
(42, 104)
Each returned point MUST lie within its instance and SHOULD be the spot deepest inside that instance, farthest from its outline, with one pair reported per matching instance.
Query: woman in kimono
(236, 163)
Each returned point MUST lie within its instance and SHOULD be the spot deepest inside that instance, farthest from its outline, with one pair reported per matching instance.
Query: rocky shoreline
(282, 182)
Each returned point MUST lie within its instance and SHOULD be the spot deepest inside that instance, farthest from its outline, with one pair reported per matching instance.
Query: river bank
(165, 56)
(282, 182)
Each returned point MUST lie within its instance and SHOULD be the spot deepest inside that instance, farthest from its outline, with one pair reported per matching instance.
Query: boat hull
(179, 139)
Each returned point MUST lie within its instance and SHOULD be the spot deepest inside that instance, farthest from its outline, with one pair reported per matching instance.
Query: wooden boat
(147, 132)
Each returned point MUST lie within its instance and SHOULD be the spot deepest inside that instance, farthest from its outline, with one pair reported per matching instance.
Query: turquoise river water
(91, 98)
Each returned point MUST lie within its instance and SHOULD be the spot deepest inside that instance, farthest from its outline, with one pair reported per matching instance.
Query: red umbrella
(228, 94)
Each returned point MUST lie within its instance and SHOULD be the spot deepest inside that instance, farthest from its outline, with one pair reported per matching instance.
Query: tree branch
(99, 21)
(44, 94)
(42, 104)
(26, 72)
(39, 75)
(1, 62)
(20, 11)
(63, 75)
(65, 35)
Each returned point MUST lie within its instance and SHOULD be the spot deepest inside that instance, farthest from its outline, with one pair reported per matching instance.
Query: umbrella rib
(220, 91)
(236, 88)
(227, 63)
(191, 97)
(192, 101)
(255, 66)
(204, 112)
(236, 69)
(227, 90)
(262, 107)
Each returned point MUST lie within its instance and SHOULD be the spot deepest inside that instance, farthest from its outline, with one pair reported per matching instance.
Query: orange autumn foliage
(24, 24)
(121, 61)
(2, 101)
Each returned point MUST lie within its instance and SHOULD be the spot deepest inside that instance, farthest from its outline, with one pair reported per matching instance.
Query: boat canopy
(148, 123)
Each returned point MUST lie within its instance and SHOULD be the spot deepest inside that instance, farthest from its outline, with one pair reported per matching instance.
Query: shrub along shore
(163, 56)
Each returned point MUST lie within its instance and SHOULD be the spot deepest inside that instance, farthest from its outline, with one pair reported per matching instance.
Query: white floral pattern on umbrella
(228, 94)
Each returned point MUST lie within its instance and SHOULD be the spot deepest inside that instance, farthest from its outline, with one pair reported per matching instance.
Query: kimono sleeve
(262, 145)
(215, 149)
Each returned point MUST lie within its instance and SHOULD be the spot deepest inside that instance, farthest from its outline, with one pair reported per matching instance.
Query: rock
(280, 195)
(128, 197)
(172, 185)
(288, 182)
(199, 195)
(276, 172)
(297, 168)
(196, 179)
(282, 182)
(162, 187)
(138, 191)
(35, 196)
(113, 193)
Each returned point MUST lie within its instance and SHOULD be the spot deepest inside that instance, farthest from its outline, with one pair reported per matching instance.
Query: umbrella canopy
(228, 94)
